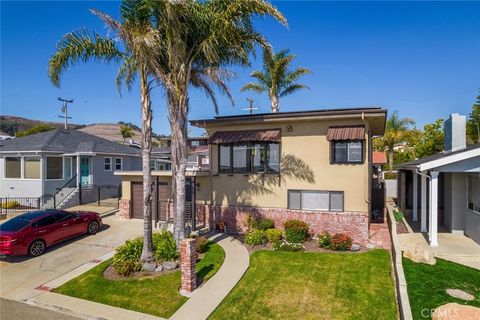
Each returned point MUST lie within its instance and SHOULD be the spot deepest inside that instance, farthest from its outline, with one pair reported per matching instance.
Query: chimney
(455, 132)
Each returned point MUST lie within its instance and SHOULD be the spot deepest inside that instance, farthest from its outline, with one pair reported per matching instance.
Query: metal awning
(219, 137)
(346, 133)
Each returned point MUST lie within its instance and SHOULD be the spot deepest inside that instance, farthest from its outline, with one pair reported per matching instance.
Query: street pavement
(14, 310)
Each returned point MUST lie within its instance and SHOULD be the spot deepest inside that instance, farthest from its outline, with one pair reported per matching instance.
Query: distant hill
(109, 131)
(12, 124)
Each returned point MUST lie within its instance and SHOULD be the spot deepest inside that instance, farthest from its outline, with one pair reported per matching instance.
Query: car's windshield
(15, 224)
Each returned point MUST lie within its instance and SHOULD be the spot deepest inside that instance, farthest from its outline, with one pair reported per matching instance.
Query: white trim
(46, 169)
(121, 163)
(105, 163)
(5, 168)
(71, 167)
(447, 159)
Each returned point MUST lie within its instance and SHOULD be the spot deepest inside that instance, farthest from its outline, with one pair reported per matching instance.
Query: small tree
(36, 129)
(430, 140)
(276, 79)
(126, 132)
(473, 123)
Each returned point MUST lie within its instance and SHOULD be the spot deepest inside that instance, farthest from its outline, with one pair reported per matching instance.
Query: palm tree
(126, 132)
(396, 131)
(197, 40)
(276, 79)
(134, 33)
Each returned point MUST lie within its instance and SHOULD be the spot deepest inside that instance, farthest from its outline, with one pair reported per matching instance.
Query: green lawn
(157, 296)
(426, 284)
(296, 285)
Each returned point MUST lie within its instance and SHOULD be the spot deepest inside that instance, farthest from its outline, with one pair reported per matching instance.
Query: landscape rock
(159, 269)
(149, 266)
(355, 247)
(460, 294)
(455, 311)
(420, 255)
(170, 265)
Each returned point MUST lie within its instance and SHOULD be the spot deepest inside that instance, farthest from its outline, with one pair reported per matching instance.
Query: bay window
(250, 157)
(13, 167)
(31, 168)
(315, 200)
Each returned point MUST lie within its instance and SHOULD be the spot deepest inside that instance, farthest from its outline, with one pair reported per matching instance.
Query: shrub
(273, 235)
(202, 244)
(10, 204)
(263, 224)
(256, 237)
(398, 215)
(164, 246)
(288, 246)
(324, 239)
(127, 257)
(296, 231)
(340, 242)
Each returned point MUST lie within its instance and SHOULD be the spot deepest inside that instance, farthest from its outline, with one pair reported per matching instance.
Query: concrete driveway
(19, 276)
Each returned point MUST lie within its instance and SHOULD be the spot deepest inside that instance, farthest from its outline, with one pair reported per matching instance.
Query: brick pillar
(188, 258)
(124, 208)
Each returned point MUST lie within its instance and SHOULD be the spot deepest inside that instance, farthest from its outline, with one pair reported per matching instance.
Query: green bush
(263, 224)
(256, 237)
(340, 242)
(324, 239)
(296, 231)
(274, 235)
(390, 176)
(164, 246)
(10, 204)
(127, 257)
(288, 246)
(398, 215)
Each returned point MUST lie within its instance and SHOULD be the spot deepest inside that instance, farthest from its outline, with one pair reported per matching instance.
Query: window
(13, 168)
(44, 222)
(68, 167)
(54, 168)
(108, 164)
(347, 151)
(473, 193)
(63, 216)
(315, 200)
(249, 157)
(31, 168)
(118, 163)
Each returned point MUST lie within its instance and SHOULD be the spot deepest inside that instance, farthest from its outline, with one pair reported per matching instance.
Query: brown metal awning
(346, 133)
(245, 136)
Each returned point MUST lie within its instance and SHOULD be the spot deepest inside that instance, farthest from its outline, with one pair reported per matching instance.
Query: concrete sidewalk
(205, 299)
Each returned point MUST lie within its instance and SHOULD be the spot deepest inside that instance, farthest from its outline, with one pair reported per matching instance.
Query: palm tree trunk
(275, 104)
(390, 159)
(178, 107)
(147, 251)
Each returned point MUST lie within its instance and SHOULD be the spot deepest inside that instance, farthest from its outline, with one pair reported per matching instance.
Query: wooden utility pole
(65, 110)
(251, 107)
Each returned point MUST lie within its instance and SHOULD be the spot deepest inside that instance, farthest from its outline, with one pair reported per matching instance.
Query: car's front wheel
(93, 227)
(37, 248)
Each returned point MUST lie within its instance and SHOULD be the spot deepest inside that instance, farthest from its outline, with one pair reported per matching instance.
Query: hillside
(12, 124)
(109, 131)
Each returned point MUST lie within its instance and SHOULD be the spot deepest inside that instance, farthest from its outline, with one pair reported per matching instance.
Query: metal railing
(16, 204)
(63, 192)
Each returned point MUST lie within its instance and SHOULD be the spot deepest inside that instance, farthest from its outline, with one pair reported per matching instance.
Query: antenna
(251, 107)
(65, 110)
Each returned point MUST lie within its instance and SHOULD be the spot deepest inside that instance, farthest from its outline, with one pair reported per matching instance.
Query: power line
(251, 107)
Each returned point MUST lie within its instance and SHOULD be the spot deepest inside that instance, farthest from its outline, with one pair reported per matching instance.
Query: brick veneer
(188, 258)
(124, 209)
(354, 224)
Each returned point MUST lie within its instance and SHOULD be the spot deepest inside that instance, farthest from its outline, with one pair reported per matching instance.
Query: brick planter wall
(124, 209)
(188, 258)
(353, 224)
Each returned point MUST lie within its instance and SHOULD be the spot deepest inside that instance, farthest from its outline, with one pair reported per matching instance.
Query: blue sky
(420, 58)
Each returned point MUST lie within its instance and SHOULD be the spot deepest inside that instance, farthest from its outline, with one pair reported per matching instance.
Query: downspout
(368, 173)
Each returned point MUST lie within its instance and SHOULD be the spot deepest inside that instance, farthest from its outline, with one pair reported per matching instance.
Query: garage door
(137, 200)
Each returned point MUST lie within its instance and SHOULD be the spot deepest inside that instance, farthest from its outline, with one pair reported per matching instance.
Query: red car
(33, 232)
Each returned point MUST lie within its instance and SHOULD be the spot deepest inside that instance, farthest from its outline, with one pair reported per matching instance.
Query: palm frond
(126, 74)
(292, 88)
(254, 87)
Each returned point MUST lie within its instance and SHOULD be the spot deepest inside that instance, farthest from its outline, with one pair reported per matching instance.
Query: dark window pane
(54, 168)
(336, 201)
(258, 157)
(15, 224)
(315, 200)
(274, 157)
(13, 168)
(224, 155)
(45, 221)
(340, 151)
(294, 199)
(355, 151)
(240, 163)
(63, 216)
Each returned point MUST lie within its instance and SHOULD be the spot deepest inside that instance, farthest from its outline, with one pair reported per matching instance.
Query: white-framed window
(473, 193)
(315, 200)
(68, 167)
(31, 168)
(107, 164)
(13, 167)
(118, 164)
(54, 168)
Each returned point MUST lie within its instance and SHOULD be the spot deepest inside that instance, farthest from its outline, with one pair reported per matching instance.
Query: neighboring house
(314, 166)
(447, 185)
(41, 163)
(198, 157)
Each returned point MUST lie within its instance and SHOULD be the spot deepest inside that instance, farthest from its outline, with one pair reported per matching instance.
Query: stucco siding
(472, 225)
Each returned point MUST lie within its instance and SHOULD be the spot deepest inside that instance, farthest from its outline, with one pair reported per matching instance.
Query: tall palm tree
(126, 132)
(276, 79)
(396, 131)
(134, 34)
(198, 39)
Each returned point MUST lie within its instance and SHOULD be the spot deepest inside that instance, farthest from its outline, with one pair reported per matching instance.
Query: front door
(85, 170)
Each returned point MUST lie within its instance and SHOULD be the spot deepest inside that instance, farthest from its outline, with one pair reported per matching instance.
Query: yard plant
(296, 231)
(274, 235)
(256, 237)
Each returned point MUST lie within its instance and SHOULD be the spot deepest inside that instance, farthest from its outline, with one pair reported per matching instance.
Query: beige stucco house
(308, 165)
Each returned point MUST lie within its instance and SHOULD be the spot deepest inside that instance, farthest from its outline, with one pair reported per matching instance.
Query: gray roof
(437, 156)
(66, 141)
